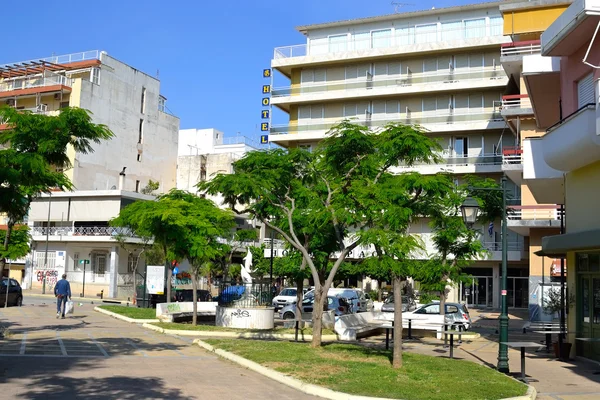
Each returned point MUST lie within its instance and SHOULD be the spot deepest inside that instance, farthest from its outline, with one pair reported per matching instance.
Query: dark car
(188, 295)
(408, 304)
(15, 294)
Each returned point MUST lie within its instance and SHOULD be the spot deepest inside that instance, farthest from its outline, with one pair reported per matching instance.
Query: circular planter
(245, 317)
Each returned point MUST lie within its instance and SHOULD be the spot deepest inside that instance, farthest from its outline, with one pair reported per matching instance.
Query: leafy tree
(135, 249)
(33, 156)
(150, 187)
(18, 246)
(326, 203)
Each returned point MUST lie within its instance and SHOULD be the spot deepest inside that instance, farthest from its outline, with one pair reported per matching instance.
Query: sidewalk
(50, 294)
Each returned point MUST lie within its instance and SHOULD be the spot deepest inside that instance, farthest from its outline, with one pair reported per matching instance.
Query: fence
(246, 295)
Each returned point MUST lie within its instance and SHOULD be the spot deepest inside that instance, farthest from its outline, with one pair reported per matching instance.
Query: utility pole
(46, 254)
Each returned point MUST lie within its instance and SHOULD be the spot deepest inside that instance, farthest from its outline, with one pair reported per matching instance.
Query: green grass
(365, 371)
(132, 312)
(212, 328)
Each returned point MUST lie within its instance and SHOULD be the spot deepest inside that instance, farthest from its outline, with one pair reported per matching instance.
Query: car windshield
(390, 299)
(288, 292)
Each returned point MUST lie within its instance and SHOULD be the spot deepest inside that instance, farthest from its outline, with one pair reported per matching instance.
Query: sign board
(264, 139)
(84, 261)
(155, 279)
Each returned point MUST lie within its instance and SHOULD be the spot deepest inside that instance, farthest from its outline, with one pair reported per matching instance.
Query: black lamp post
(470, 210)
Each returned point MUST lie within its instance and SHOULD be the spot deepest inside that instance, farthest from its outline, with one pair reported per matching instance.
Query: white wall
(193, 142)
(116, 102)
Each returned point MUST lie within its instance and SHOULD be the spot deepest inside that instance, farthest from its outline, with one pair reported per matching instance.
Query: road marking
(23, 343)
(135, 346)
(104, 353)
(61, 344)
(169, 345)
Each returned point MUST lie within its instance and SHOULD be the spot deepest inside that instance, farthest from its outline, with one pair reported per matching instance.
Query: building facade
(440, 69)
(563, 165)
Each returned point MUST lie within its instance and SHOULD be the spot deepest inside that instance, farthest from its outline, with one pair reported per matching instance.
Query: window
(101, 264)
(161, 103)
(141, 131)
(451, 309)
(426, 33)
(381, 39)
(137, 186)
(40, 258)
(96, 76)
(288, 292)
(405, 36)
(452, 30)
(338, 43)
(585, 90)
(362, 41)
(143, 108)
(432, 309)
(475, 28)
(64, 104)
(75, 261)
(496, 26)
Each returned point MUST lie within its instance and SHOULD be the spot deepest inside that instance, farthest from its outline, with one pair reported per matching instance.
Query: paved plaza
(92, 356)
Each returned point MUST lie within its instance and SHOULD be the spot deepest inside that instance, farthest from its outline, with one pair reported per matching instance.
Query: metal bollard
(445, 336)
(460, 329)
(410, 328)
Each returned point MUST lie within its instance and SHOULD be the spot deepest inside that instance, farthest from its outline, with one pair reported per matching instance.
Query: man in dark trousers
(62, 290)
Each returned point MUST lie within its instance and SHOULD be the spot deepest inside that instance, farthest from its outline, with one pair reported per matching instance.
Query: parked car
(355, 297)
(456, 314)
(15, 294)
(339, 305)
(408, 304)
(285, 297)
(187, 295)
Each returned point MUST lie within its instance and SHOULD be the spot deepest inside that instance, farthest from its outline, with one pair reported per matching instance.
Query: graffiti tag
(50, 275)
(240, 313)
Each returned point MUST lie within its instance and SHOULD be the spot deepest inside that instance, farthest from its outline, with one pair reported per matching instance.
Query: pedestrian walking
(62, 291)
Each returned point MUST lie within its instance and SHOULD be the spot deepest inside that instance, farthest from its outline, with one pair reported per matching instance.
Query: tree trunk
(194, 298)
(299, 298)
(318, 315)
(9, 229)
(397, 356)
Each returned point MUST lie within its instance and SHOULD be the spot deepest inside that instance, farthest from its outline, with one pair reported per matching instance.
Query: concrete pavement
(92, 356)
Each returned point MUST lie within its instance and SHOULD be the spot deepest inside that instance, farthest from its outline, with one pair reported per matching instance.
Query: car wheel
(19, 302)
(289, 315)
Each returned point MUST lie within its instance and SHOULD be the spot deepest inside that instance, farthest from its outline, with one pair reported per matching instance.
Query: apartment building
(69, 227)
(524, 23)
(563, 165)
(438, 68)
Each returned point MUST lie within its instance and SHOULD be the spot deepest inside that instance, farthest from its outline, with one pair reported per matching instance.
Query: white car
(360, 302)
(285, 297)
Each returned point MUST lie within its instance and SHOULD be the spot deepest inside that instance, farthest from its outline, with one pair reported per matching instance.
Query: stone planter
(245, 317)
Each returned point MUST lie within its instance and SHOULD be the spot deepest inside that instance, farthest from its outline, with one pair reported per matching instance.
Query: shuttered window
(585, 90)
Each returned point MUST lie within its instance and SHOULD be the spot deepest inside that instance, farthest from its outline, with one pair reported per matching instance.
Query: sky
(209, 54)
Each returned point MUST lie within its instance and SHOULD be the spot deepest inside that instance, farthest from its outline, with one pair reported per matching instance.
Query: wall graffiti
(51, 277)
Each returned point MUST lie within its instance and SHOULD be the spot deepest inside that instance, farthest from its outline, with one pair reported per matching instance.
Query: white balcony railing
(497, 246)
(78, 231)
(29, 82)
(534, 213)
(401, 80)
(521, 48)
(402, 37)
(409, 118)
(512, 155)
(516, 101)
(62, 59)
(458, 160)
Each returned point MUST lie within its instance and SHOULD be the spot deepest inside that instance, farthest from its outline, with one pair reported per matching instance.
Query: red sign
(555, 268)
(504, 293)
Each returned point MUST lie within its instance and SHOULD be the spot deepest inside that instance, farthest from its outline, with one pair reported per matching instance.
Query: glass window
(475, 28)
(451, 309)
(338, 43)
(381, 39)
(405, 36)
(362, 41)
(496, 26)
(452, 30)
(585, 299)
(596, 296)
(288, 292)
(426, 33)
(432, 309)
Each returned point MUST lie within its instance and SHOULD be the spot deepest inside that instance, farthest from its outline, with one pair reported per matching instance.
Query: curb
(311, 389)
(123, 318)
(51, 296)
(235, 335)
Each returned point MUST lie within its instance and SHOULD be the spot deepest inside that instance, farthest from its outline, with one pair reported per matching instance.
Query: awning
(559, 245)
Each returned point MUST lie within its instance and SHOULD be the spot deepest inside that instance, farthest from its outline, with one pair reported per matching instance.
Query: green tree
(34, 156)
(18, 246)
(150, 187)
(323, 203)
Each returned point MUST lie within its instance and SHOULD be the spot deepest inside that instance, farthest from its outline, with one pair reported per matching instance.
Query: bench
(540, 325)
(168, 312)
(353, 326)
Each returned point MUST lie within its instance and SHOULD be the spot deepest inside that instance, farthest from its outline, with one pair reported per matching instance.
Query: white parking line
(104, 353)
(23, 343)
(61, 344)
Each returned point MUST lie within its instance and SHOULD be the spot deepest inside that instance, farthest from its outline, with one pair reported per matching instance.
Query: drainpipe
(122, 179)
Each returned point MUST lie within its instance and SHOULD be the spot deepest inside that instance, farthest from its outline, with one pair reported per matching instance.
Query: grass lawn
(132, 312)
(363, 371)
(212, 328)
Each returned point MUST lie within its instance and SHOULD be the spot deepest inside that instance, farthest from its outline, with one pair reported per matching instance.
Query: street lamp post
(470, 209)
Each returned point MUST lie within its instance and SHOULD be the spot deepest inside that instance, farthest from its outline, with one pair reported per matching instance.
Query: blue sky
(210, 54)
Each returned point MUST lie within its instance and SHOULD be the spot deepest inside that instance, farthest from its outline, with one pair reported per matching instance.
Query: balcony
(442, 121)
(402, 41)
(512, 163)
(515, 105)
(542, 80)
(512, 55)
(572, 29)
(406, 83)
(81, 233)
(521, 219)
(34, 84)
(459, 164)
(545, 183)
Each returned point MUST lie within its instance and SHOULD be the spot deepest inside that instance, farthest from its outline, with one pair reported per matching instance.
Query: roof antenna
(397, 5)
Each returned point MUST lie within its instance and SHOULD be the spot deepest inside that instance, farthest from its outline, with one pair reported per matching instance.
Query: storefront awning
(559, 245)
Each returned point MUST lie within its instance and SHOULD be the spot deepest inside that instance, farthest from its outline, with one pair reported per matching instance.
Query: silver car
(456, 313)
(408, 304)
(337, 304)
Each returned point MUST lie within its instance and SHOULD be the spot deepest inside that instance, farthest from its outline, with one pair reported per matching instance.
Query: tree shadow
(115, 387)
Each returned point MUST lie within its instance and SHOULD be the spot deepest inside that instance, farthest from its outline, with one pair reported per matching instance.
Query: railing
(126, 279)
(521, 48)
(91, 277)
(78, 231)
(446, 118)
(240, 140)
(497, 246)
(63, 59)
(34, 82)
(400, 38)
(457, 160)
(245, 295)
(402, 80)
(512, 155)
(516, 101)
(535, 212)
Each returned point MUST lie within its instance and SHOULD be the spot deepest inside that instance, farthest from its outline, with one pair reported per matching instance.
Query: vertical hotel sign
(265, 114)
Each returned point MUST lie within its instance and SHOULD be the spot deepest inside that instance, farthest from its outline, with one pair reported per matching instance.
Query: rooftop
(52, 62)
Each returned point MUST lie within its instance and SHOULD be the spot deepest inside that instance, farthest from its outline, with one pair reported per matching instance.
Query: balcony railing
(63, 59)
(521, 48)
(458, 160)
(497, 246)
(408, 118)
(512, 155)
(402, 80)
(78, 231)
(402, 37)
(534, 213)
(34, 82)
(240, 140)
(514, 101)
